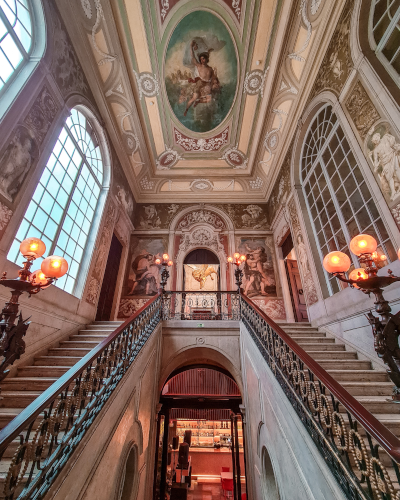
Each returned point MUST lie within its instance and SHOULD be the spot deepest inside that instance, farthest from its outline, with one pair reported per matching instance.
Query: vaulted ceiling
(200, 99)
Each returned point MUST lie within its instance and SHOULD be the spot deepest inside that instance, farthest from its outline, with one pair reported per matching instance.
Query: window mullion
(388, 31)
(84, 158)
(13, 35)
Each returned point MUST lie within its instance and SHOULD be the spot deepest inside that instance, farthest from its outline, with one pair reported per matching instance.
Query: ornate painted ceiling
(200, 97)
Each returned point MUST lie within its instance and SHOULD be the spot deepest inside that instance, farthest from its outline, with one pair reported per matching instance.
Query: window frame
(25, 70)
(93, 234)
(377, 48)
(311, 169)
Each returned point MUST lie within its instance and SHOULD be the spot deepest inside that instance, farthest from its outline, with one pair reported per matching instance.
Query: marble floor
(205, 491)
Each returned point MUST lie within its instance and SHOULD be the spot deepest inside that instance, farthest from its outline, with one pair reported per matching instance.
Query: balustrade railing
(201, 305)
(361, 452)
(39, 441)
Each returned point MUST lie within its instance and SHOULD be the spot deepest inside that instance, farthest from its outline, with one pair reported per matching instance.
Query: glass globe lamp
(32, 247)
(54, 266)
(363, 243)
(336, 262)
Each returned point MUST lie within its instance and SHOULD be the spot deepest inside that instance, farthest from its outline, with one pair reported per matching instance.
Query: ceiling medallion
(235, 158)
(147, 85)
(201, 145)
(254, 82)
(167, 159)
(201, 70)
(257, 183)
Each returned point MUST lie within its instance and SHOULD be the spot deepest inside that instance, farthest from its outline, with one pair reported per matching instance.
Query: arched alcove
(129, 480)
(269, 486)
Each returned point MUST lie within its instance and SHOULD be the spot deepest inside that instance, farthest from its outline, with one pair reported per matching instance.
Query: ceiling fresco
(200, 97)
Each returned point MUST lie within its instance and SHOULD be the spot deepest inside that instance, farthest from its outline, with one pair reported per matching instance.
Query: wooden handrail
(389, 442)
(18, 424)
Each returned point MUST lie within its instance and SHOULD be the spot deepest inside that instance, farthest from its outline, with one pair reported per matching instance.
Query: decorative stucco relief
(198, 216)
(271, 138)
(362, 110)
(201, 237)
(302, 253)
(303, 12)
(99, 18)
(5, 216)
(254, 82)
(337, 63)
(200, 145)
(96, 277)
(148, 85)
(42, 113)
(257, 183)
(235, 158)
(281, 189)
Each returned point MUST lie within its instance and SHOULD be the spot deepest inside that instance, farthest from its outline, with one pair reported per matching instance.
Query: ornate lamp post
(237, 260)
(385, 328)
(12, 346)
(165, 262)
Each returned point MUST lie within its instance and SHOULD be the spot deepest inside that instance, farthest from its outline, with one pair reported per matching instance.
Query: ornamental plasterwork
(201, 145)
(99, 18)
(254, 82)
(288, 88)
(201, 185)
(5, 216)
(87, 8)
(267, 140)
(166, 6)
(235, 158)
(147, 184)
(42, 114)
(315, 4)
(361, 109)
(257, 183)
(148, 85)
(167, 159)
(198, 216)
(201, 237)
(303, 12)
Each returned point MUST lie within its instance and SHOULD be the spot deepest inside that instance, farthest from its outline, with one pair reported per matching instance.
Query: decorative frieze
(361, 110)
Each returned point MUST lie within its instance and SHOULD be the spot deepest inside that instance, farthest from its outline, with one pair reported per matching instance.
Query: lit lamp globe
(38, 278)
(165, 257)
(363, 243)
(242, 258)
(170, 263)
(358, 274)
(236, 256)
(336, 262)
(54, 266)
(32, 247)
(230, 259)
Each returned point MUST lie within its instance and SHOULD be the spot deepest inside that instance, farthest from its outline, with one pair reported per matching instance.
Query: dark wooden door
(109, 282)
(296, 290)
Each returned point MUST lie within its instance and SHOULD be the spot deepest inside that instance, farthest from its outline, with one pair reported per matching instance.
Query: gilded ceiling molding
(167, 159)
(201, 145)
(148, 85)
(306, 21)
(235, 158)
(362, 110)
(271, 136)
(100, 17)
(254, 82)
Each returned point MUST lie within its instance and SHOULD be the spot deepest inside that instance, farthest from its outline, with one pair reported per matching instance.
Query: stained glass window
(65, 200)
(339, 201)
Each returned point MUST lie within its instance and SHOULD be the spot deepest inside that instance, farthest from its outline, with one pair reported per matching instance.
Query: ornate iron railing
(361, 452)
(201, 305)
(46, 433)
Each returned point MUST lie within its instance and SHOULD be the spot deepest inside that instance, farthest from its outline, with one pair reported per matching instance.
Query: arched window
(64, 203)
(339, 202)
(384, 34)
(16, 37)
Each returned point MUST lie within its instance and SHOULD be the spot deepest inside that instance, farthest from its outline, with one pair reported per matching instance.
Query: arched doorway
(200, 407)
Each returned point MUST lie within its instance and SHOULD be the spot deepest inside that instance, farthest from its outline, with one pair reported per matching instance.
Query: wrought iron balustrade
(201, 305)
(361, 452)
(46, 433)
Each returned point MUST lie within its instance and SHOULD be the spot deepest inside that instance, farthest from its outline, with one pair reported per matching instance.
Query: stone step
(42, 371)
(57, 360)
(110, 323)
(359, 375)
(8, 414)
(18, 399)
(57, 351)
(313, 340)
(27, 383)
(78, 344)
(305, 333)
(329, 355)
(284, 325)
(96, 332)
(379, 404)
(90, 338)
(368, 388)
(342, 364)
(311, 346)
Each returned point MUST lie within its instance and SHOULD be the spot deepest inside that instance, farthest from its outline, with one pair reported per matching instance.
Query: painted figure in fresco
(146, 274)
(152, 220)
(206, 83)
(201, 274)
(385, 156)
(302, 255)
(256, 277)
